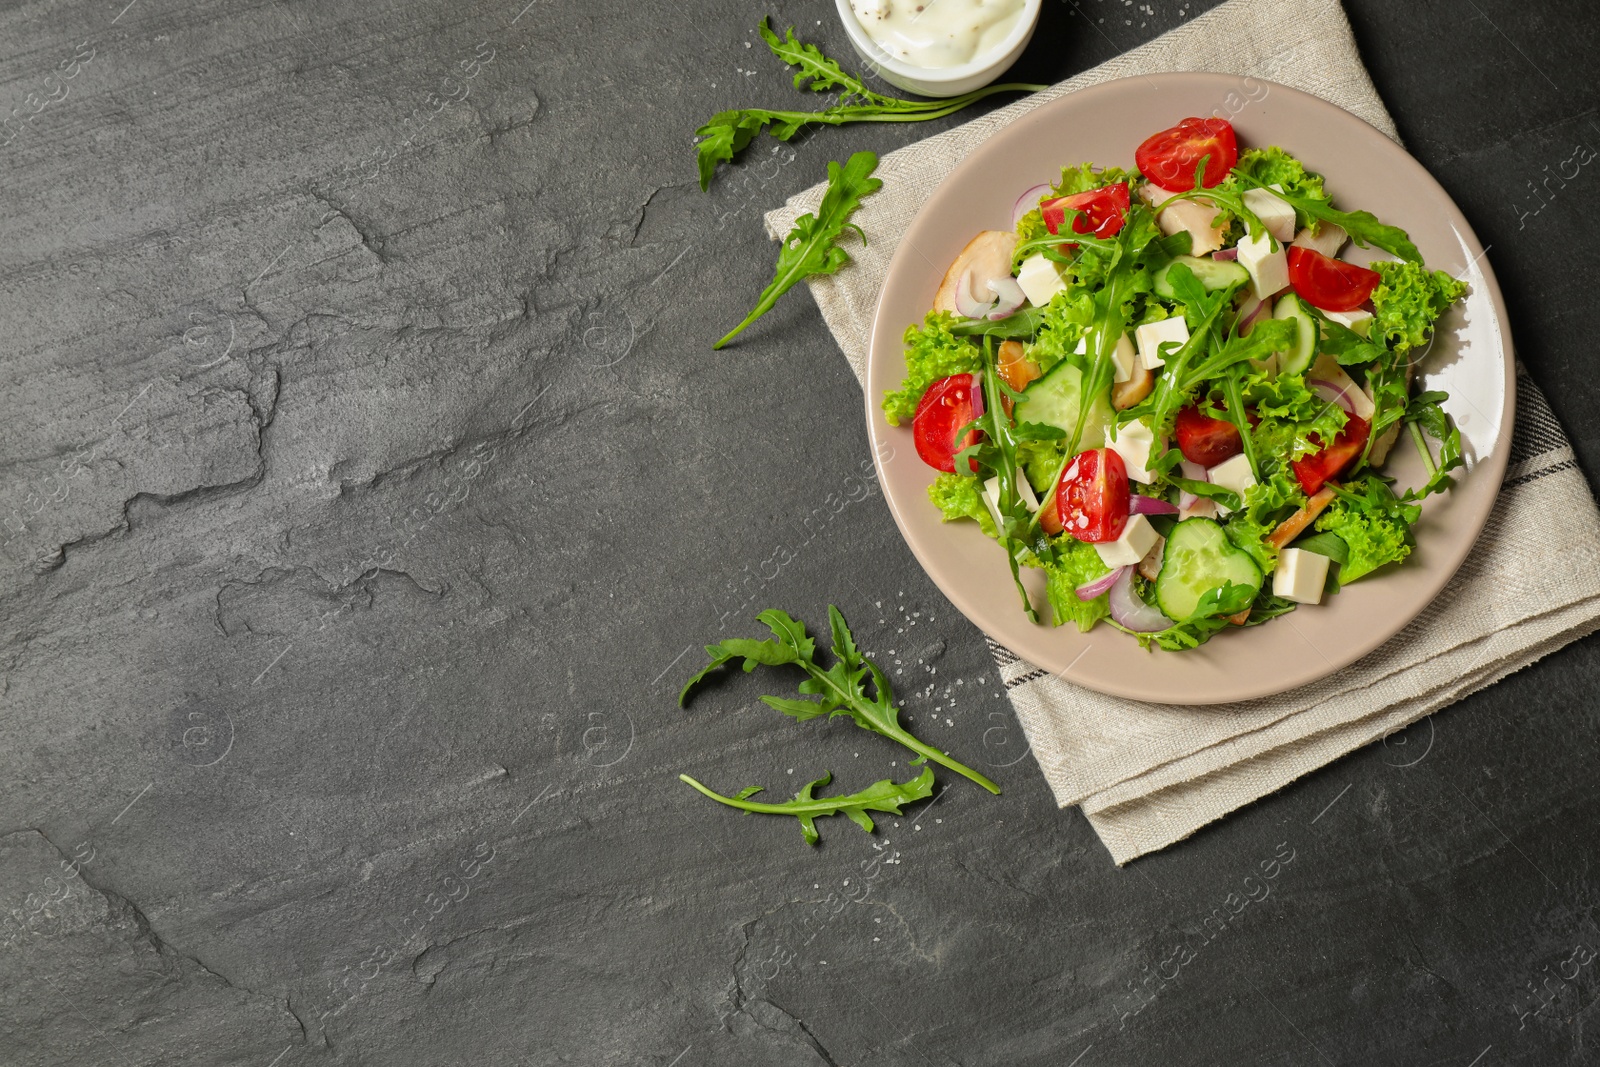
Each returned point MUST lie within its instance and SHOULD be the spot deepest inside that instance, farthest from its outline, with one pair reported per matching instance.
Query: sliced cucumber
(1055, 400)
(1199, 558)
(1298, 359)
(1210, 273)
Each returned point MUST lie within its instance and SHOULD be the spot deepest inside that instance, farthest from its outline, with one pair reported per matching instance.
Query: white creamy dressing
(937, 33)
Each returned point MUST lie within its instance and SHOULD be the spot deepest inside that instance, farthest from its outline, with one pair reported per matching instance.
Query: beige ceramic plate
(1470, 358)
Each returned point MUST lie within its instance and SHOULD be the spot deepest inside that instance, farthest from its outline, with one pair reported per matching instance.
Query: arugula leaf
(727, 133)
(1346, 346)
(1362, 226)
(960, 496)
(998, 453)
(1201, 311)
(817, 72)
(1210, 616)
(1424, 409)
(886, 796)
(839, 690)
(1018, 326)
(1450, 459)
(811, 248)
(1326, 544)
(1222, 495)
(1268, 336)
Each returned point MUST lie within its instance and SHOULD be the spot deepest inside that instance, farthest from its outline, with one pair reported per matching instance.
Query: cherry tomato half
(1319, 468)
(1103, 211)
(1328, 283)
(946, 406)
(1205, 440)
(1092, 499)
(1170, 157)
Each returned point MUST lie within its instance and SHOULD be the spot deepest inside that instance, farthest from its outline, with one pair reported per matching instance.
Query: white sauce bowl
(942, 81)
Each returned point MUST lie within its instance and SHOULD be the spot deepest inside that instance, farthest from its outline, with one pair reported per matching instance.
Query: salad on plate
(1165, 389)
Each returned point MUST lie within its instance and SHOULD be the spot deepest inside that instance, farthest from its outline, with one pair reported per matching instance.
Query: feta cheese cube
(1301, 576)
(1153, 334)
(1040, 280)
(1138, 538)
(1269, 270)
(1134, 442)
(1358, 320)
(1233, 474)
(1274, 212)
(1327, 240)
(991, 496)
(1327, 369)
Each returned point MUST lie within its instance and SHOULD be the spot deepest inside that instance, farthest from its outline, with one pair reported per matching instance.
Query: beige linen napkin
(1147, 775)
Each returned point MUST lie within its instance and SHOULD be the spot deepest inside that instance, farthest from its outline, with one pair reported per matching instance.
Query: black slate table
(368, 486)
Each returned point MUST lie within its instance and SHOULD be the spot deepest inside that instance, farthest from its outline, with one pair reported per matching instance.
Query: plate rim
(1492, 466)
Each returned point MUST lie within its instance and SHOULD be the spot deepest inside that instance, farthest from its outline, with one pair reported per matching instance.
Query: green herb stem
(821, 806)
(943, 760)
(1422, 448)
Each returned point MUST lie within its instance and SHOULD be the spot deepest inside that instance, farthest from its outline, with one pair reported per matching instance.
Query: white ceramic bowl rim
(1000, 54)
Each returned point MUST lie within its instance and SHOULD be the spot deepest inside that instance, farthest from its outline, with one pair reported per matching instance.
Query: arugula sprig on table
(727, 133)
(812, 248)
(886, 796)
(841, 689)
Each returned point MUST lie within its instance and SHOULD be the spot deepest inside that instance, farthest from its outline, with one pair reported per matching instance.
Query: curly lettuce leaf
(1064, 323)
(1294, 421)
(1374, 525)
(1040, 462)
(1075, 564)
(932, 352)
(1409, 301)
(960, 496)
(1266, 505)
(1273, 166)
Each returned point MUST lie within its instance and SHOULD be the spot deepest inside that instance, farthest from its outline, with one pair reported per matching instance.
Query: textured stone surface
(367, 483)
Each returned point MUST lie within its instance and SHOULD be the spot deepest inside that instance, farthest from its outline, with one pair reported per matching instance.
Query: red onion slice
(1132, 613)
(1262, 310)
(1223, 255)
(1139, 504)
(967, 303)
(1195, 473)
(1090, 590)
(1332, 393)
(977, 396)
(1027, 202)
(1009, 297)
